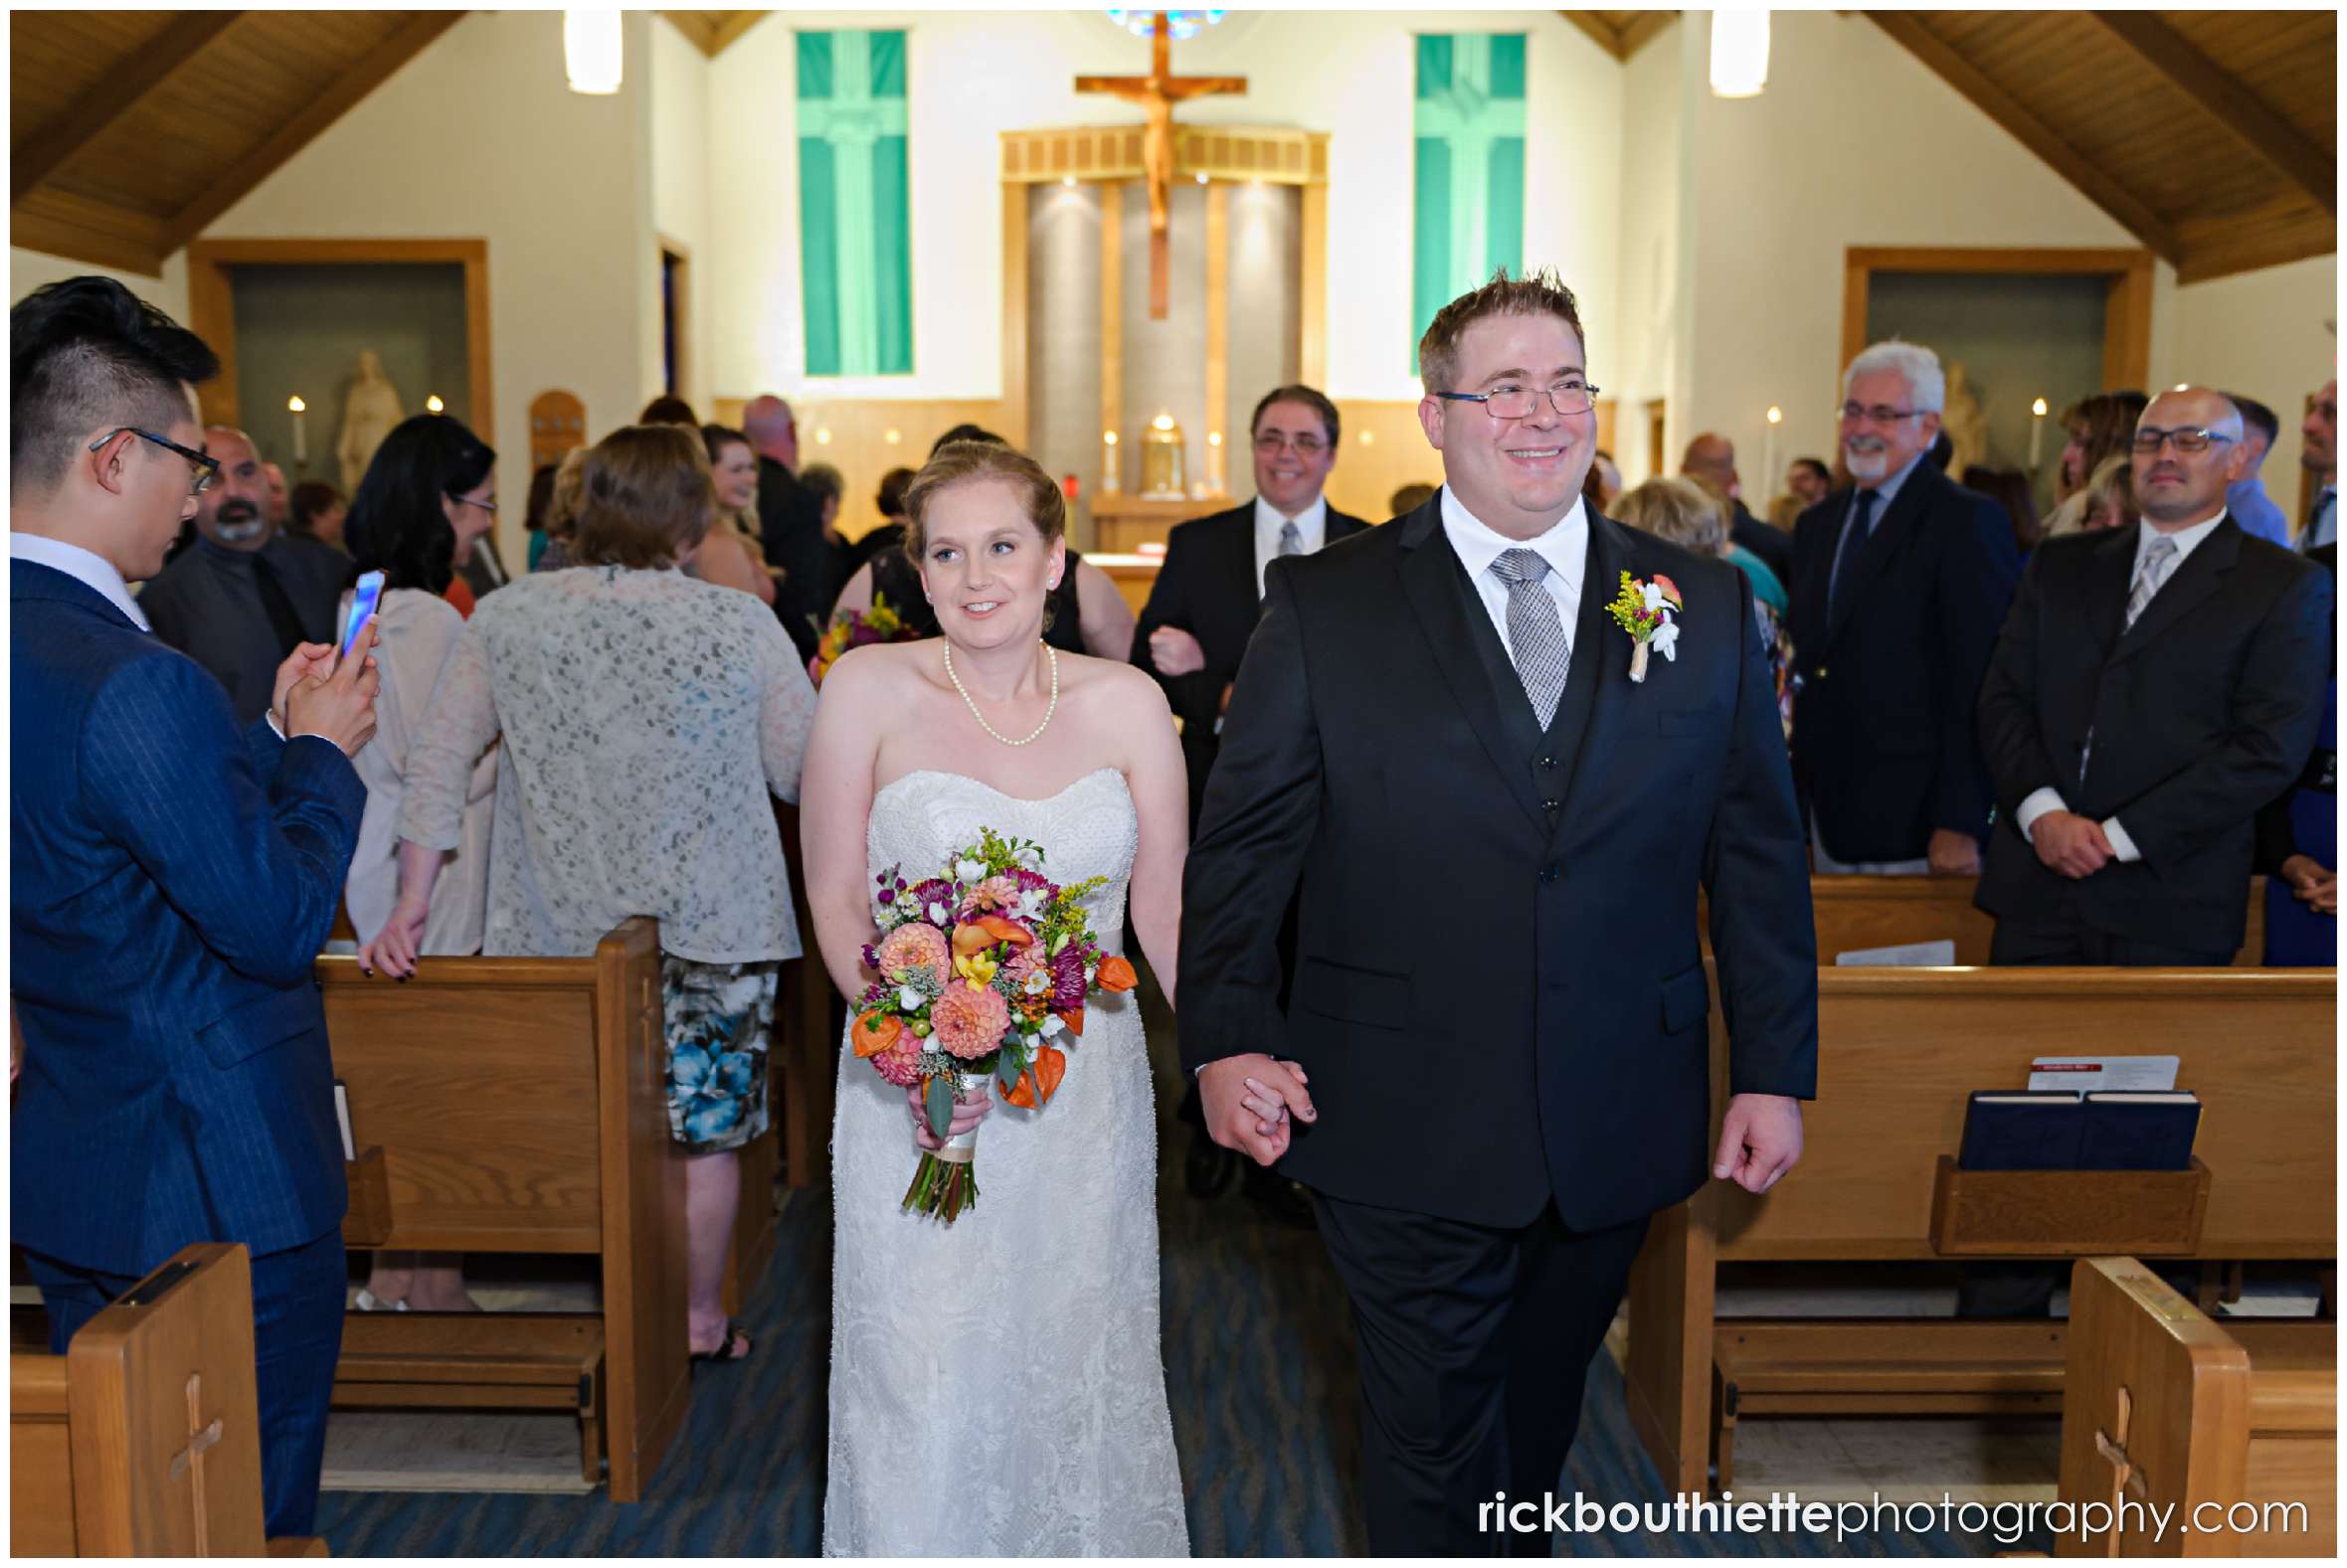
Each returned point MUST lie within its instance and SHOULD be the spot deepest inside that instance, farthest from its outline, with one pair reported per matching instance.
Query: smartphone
(363, 601)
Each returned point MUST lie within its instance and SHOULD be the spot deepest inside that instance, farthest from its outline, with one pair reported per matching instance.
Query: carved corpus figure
(369, 411)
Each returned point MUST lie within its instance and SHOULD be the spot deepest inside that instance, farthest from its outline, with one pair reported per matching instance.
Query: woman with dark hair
(411, 510)
(668, 410)
(646, 717)
(316, 510)
(731, 556)
(2010, 489)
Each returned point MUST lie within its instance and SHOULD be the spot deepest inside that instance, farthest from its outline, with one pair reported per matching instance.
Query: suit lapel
(2195, 578)
(1435, 584)
(1238, 560)
(1883, 545)
(1340, 526)
(1589, 716)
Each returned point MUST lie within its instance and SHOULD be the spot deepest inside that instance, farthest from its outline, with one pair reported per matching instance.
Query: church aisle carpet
(1260, 1372)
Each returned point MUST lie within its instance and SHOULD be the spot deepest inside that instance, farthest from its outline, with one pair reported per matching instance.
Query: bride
(998, 1387)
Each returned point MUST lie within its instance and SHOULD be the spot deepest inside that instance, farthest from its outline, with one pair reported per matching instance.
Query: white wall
(1016, 71)
(480, 137)
(1636, 362)
(1854, 142)
(2262, 334)
(680, 106)
(30, 269)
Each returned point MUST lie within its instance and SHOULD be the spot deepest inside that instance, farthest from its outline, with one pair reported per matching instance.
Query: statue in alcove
(1966, 425)
(369, 411)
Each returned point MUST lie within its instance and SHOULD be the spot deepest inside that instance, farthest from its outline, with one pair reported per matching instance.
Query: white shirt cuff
(275, 728)
(2120, 844)
(2037, 805)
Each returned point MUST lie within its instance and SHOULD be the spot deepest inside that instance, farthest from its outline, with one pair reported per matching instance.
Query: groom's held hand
(1759, 1140)
(1252, 1104)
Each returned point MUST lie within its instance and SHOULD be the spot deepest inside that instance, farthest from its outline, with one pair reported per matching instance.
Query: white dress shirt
(1566, 548)
(1312, 523)
(2049, 799)
(91, 570)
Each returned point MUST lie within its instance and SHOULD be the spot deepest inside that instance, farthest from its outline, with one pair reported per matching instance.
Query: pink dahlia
(968, 1020)
(914, 947)
(1030, 971)
(995, 893)
(900, 1064)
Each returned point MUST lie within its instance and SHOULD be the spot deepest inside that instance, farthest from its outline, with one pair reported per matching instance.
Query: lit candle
(295, 407)
(1777, 416)
(2037, 432)
(1213, 462)
(433, 404)
(1108, 463)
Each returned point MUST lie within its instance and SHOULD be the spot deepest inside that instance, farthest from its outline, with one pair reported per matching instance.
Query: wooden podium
(1122, 524)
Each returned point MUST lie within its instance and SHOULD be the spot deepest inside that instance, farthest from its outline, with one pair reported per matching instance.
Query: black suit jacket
(1499, 993)
(791, 530)
(1882, 737)
(1207, 587)
(2201, 712)
(1773, 546)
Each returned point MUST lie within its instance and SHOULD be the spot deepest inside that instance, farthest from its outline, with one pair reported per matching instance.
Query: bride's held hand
(1253, 1104)
(966, 1115)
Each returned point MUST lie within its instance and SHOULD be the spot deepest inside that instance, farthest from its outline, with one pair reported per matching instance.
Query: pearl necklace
(1049, 652)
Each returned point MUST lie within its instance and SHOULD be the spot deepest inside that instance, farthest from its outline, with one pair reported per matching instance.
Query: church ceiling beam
(120, 90)
(713, 32)
(2295, 156)
(2131, 211)
(1642, 30)
(1605, 35)
(1624, 39)
(370, 72)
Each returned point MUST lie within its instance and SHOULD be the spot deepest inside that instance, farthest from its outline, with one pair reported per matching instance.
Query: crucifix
(2126, 1476)
(190, 1460)
(1156, 93)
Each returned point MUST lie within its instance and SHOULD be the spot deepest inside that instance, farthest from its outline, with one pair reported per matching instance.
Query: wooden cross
(190, 1460)
(1156, 93)
(2126, 1476)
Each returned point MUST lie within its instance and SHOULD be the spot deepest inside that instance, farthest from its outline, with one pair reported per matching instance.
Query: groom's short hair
(1541, 293)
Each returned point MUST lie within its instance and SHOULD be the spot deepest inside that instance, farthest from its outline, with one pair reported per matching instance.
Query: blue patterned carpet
(1259, 1368)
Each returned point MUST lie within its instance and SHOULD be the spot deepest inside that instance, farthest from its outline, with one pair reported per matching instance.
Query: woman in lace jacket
(646, 717)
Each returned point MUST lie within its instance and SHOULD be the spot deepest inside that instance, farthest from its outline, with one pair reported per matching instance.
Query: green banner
(855, 256)
(1467, 209)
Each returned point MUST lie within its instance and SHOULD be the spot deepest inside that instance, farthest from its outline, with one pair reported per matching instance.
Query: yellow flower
(978, 968)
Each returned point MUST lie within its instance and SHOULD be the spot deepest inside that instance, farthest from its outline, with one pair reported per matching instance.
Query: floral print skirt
(718, 1018)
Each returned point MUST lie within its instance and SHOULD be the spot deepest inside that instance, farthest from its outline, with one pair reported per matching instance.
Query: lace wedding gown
(998, 1387)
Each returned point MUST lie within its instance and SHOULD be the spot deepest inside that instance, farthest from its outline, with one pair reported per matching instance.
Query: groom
(1495, 836)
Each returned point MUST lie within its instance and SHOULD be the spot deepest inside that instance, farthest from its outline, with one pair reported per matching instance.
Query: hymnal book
(350, 1150)
(2144, 1129)
(1942, 953)
(2022, 1129)
(2088, 1074)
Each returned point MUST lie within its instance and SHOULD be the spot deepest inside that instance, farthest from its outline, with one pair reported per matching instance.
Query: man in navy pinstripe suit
(172, 881)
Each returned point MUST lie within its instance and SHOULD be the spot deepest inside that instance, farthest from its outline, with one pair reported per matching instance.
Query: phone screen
(363, 601)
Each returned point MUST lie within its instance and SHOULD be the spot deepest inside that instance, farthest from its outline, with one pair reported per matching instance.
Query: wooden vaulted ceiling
(2211, 135)
(132, 130)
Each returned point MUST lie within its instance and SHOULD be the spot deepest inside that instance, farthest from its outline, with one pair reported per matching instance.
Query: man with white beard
(1900, 585)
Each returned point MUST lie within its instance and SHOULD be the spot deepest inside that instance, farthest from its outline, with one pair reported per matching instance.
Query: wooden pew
(1891, 912)
(808, 1032)
(1899, 1049)
(520, 1106)
(143, 1440)
(2166, 1408)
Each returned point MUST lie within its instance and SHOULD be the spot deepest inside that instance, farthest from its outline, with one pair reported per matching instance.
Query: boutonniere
(1645, 609)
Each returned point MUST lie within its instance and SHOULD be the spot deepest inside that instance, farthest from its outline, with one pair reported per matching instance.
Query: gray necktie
(1536, 631)
(1290, 538)
(2158, 557)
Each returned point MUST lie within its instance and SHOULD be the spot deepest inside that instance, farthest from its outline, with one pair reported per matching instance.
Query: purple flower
(1067, 979)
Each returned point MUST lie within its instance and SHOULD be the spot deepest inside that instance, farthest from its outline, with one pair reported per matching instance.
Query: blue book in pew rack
(2023, 1129)
(2140, 1130)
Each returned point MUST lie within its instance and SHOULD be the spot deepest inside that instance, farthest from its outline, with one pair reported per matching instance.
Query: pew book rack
(2061, 1213)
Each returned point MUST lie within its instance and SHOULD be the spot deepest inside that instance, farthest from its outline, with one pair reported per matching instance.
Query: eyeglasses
(1510, 402)
(207, 467)
(1270, 441)
(1876, 414)
(2191, 443)
(489, 507)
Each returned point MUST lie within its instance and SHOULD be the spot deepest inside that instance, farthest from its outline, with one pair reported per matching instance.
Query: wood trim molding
(2132, 211)
(2127, 275)
(1273, 155)
(2314, 172)
(713, 32)
(1312, 290)
(1218, 335)
(1112, 326)
(1624, 42)
(363, 78)
(212, 309)
(116, 93)
(1016, 411)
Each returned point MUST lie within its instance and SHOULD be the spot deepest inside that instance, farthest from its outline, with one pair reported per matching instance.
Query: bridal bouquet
(850, 629)
(984, 970)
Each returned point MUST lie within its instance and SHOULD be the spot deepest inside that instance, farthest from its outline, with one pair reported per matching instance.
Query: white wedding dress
(997, 1386)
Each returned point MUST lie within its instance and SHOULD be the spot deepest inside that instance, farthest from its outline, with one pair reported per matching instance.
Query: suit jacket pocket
(1363, 996)
(252, 1027)
(1685, 999)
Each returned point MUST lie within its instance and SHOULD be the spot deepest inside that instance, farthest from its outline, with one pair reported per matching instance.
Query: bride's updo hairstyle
(965, 461)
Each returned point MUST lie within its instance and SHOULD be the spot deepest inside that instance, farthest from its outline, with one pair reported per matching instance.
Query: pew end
(144, 1439)
(2169, 1409)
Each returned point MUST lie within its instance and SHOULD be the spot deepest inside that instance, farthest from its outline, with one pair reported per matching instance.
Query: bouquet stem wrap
(946, 1182)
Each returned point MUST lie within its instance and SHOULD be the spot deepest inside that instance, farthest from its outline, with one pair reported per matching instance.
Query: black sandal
(725, 1352)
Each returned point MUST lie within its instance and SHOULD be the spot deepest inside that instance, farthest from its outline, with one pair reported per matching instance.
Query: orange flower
(875, 1032)
(1005, 931)
(976, 935)
(1022, 1092)
(1050, 1067)
(1073, 1017)
(1116, 974)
